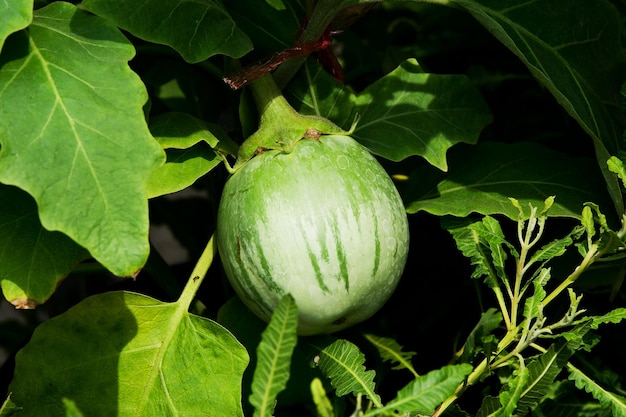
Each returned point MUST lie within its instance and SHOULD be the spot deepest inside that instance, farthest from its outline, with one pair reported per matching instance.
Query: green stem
(589, 258)
(198, 274)
(477, 373)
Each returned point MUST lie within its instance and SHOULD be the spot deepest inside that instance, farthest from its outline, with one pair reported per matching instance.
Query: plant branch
(198, 274)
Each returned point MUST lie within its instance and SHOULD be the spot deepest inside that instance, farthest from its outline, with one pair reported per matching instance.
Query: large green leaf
(573, 47)
(484, 176)
(32, 259)
(125, 354)
(16, 15)
(73, 133)
(195, 29)
(409, 112)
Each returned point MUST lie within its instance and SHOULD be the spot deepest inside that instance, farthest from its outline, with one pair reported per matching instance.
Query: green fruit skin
(324, 223)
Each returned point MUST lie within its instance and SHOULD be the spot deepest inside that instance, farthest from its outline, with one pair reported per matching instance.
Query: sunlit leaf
(32, 259)
(409, 112)
(197, 30)
(16, 15)
(79, 143)
(125, 354)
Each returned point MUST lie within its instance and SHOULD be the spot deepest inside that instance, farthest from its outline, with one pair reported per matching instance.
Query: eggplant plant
(376, 208)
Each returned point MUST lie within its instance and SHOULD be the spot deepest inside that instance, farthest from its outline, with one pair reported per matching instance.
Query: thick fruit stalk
(280, 127)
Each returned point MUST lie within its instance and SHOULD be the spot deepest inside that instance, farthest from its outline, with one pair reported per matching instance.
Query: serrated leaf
(342, 362)
(483, 242)
(483, 177)
(188, 143)
(558, 55)
(126, 354)
(609, 400)
(556, 248)
(542, 372)
(424, 394)
(614, 316)
(391, 351)
(274, 357)
(409, 112)
(196, 30)
(32, 260)
(16, 15)
(78, 143)
(511, 394)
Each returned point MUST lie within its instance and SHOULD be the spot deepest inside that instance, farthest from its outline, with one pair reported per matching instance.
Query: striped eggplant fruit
(324, 223)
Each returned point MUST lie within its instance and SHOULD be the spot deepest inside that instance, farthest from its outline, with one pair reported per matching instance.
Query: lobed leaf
(342, 362)
(196, 30)
(425, 393)
(125, 354)
(16, 15)
(274, 357)
(483, 177)
(558, 55)
(86, 117)
(391, 351)
(33, 260)
(409, 112)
